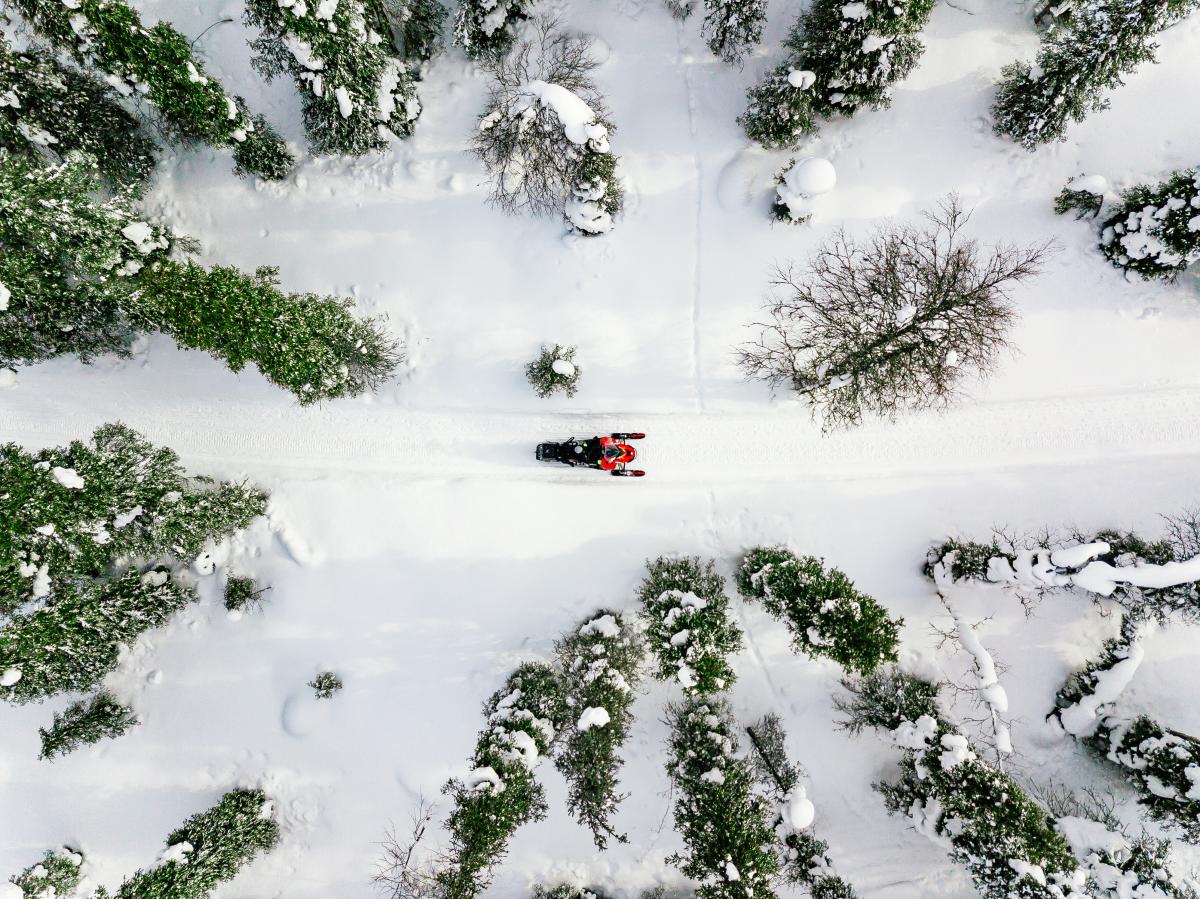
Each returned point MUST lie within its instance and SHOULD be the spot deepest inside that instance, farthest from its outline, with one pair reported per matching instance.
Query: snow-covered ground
(419, 551)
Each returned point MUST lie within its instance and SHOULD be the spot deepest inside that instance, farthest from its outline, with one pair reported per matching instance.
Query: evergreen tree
(355, 93)
(1005, 840)
(416, 27)
(1088, 694)
(600, 663)
(1155, 230)
(827, 615)
(69, 261)
(1139, 869)
(554, 371)
(156, 64)
(48, 109)
(74, 641)
(1079, 62)
(501, 794)
(308, 344)
(544, 134)
(486, 29)
(566, 891)
(81, 273)
(1163, 764)
(897, 322)
(732, 27)
(803, 858)
(688, 627)
(208, 849)
(242, 593)
(725, 825)
(69, 514)
(85, 722)
(56, 875)
(843, 57)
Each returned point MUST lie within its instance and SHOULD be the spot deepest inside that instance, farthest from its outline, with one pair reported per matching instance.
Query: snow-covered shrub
(1006, 841)
(85, 722)
(827, 615)
(242, 593)
(156, 64)
(681, 9)
(1162, 763)
(1089, 694)
(543, 136)
(500, 794)
(688, 627)
(487, 29)
(208, 849)
(56, 875)
(732, 27)
(803, 858)
(72, 642)
(554, 371)
(1083, 195)
(1080, 60)
(725, 825)
(71, 513)
(355, 93)
(1155, 229)
(416, 27)
(899, 321)
(601, 664)
(306, 343)
(843, 57)
(796, 187)
(1151, 579)
(69, 260)
(566, 891)
(1120, 868)
(48, 109)
(325, 684)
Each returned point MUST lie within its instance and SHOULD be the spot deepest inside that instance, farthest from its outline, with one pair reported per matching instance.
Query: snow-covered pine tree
(543, 136)
(688, 628)
(566, 891)
(56, 875)
(826, 614)
(899, 321)
(803, 858)
(1080, 60)
(1006, 841)
(49, 109)
(85, 722)
(732, 27)
(487, 29)
(1163, 764)
(355, 92)
(843, 57)
(500, 794)
(208, 849)
(601, 663)
(69, 260)
(71, 513)
(725, 825)
(416, 27)
(1122, 868)
(1151, 579)
(1088, 694)
(76, 273)
(306, 343)
(1155, 230)
(243, 593)
(74, 640)
(554, 371)
(157, 65)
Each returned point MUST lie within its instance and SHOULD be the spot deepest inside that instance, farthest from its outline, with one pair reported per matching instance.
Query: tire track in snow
(697, 228)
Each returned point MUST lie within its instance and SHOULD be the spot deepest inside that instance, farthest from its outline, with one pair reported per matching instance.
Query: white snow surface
(593, 716)
(417, 546)
(68, 477)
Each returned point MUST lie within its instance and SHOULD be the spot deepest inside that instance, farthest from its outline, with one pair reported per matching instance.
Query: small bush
(688, 628)
(85, 722)
(827, 615)
(56, 875)
(554, 371)
(1152, 231)
(326, 684)
(242, 593)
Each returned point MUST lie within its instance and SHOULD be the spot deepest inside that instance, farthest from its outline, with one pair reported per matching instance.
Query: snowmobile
(612, 453)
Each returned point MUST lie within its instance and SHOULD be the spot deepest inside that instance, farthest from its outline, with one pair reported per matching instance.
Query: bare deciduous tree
(521, 141)
(898, 322)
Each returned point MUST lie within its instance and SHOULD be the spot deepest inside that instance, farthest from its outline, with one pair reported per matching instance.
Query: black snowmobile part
(623, 436)
(627, 473)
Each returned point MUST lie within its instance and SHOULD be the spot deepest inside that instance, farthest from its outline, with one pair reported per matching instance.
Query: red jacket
(627, 454)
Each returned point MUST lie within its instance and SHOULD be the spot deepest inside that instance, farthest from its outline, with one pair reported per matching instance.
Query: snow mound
(593, 717)
(68, 477)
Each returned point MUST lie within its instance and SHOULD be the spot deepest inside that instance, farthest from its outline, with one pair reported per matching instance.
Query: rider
(613, 454)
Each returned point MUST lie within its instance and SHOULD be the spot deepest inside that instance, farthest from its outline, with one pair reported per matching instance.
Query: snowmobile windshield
(612, 452)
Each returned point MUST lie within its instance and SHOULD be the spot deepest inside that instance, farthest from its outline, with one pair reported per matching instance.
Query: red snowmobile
(612, 454)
